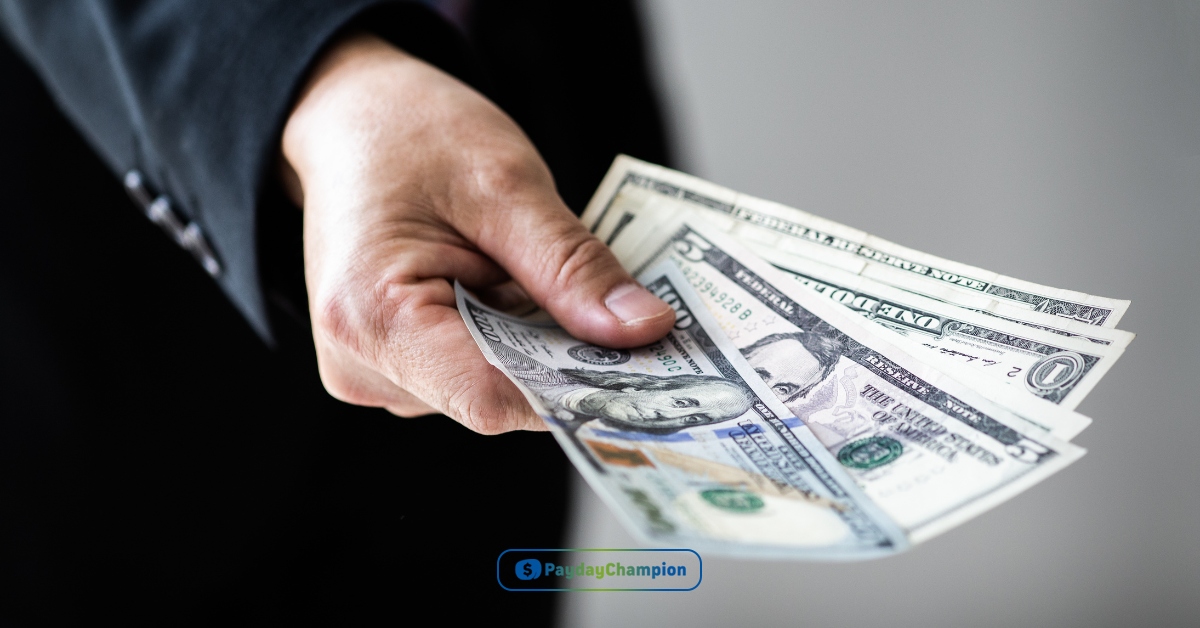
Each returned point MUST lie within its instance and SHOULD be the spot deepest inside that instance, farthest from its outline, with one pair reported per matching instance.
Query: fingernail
(632, 303)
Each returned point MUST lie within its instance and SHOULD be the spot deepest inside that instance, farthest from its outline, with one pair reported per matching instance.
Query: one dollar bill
(790, 230)
(1045, 356)
(1060, 369)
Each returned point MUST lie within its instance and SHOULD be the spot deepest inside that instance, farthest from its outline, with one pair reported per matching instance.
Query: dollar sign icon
(529, 569)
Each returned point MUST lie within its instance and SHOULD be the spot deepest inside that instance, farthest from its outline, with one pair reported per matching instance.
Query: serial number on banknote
(723, 300)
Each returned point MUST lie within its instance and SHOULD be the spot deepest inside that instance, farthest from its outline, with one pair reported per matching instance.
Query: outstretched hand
(409, 179)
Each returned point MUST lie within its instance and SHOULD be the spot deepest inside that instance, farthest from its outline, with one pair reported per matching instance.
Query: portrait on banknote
(804, 369)
(793, 364)
(684, 438)
(630, 401)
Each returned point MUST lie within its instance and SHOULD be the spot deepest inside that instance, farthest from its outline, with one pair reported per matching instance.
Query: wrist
(336, 96)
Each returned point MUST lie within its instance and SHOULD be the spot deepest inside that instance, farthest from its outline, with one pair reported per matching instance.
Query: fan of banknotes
(824, 394)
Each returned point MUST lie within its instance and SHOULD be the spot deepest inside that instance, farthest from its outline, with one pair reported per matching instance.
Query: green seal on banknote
(871, 452)
(733, 500)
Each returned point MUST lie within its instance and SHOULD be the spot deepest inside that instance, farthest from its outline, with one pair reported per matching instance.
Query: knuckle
(348, 322)
(472, 413)
(388, 303)
(364, 321)
(332, 315)
(478, 413)
(347, 389)
(505, 174)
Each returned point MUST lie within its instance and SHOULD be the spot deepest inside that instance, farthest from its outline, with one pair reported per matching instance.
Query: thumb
(574, 276)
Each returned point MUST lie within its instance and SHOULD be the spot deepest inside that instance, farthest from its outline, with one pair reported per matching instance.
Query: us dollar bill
(1059, 369)
(775, 226)
(929, 449)
(683, 440)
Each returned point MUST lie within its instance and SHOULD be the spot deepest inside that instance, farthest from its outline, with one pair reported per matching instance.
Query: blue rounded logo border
(699, 560)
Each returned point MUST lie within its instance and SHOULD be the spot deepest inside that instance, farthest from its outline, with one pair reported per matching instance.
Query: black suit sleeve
(193, 95)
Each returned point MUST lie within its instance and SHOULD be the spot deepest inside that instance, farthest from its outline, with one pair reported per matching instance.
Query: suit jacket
(191, 95)
(158, 464)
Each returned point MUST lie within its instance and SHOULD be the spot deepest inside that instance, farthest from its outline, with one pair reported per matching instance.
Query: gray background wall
(1053, 141)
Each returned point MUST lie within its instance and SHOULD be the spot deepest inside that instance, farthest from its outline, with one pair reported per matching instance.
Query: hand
(410, 179)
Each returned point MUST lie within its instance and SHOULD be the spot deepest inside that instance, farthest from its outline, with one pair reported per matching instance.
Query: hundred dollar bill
(681, 438)
(1059, 369)
(929, 449)
(793, 231)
